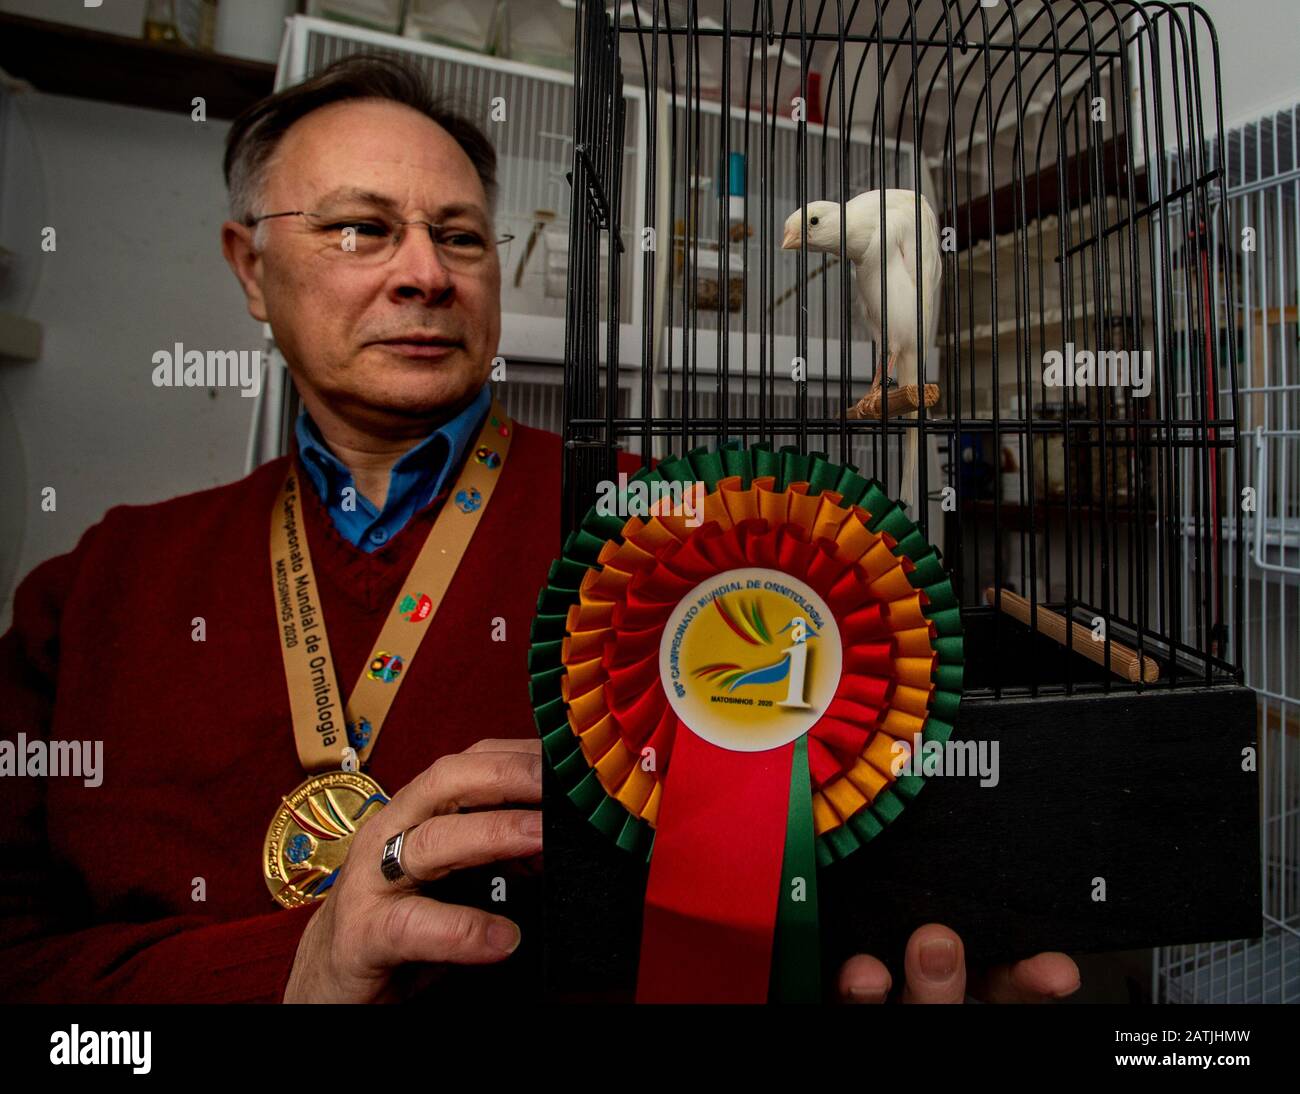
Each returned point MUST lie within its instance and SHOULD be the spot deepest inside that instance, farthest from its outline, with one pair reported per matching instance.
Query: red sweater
(96, 882)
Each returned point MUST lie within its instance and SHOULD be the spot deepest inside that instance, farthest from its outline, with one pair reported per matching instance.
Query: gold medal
(310, 834)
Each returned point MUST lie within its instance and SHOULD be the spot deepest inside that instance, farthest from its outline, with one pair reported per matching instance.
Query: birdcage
(1071, 152)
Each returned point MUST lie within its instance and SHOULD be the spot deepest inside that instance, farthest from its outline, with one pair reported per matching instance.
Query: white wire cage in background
(1263, 198)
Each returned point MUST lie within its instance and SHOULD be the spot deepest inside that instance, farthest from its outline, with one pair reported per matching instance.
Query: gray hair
(255, 134)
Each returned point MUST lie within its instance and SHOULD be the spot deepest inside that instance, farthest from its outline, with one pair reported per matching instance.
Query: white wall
(1259, 55)
(137, 199)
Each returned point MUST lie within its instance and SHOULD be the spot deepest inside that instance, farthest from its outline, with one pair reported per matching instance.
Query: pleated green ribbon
(796, 950)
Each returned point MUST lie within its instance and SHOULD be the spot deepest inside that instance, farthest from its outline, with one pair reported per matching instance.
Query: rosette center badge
(750, 659)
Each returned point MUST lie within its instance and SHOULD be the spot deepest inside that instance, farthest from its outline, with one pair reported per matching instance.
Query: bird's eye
(813, 221)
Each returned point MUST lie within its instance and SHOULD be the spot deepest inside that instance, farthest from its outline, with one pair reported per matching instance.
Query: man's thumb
(935, 966)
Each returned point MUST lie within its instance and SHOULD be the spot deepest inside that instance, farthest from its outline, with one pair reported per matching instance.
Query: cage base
(1144, 791)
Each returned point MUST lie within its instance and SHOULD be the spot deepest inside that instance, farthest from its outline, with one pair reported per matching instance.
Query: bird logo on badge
(386, 667)
(487, 457)
(468, 500)
(746, 621)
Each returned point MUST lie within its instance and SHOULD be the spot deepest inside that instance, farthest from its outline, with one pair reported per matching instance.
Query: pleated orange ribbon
(746, 688)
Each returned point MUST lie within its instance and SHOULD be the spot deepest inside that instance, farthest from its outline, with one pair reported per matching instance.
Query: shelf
(1037, 237)
(87, 64)
(981, 335)
(975, 219)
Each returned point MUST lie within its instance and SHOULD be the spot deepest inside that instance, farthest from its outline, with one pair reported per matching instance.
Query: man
(182, 636)
(161, 633)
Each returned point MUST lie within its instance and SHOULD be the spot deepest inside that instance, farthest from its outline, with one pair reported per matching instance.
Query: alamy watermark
(82, 760)
(1107, 368)
(114, 1047)
(181, 367)
(643, 498)
(930, 758)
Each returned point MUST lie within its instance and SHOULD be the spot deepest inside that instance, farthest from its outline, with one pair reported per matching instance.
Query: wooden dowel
(1123, 660)
(902, 400)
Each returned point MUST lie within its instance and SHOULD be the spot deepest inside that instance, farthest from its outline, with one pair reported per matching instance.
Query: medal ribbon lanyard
(320, 719)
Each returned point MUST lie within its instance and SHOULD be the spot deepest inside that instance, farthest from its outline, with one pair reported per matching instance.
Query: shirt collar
(414, 479)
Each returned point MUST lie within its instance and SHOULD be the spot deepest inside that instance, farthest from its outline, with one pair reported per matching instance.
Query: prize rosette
(739, 686)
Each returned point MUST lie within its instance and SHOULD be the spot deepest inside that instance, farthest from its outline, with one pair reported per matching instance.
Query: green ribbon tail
(796, 950)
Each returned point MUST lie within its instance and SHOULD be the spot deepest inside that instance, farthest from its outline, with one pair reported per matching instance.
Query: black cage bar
(1072, 153)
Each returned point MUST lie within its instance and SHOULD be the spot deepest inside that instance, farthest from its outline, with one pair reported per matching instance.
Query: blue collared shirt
(413, 482)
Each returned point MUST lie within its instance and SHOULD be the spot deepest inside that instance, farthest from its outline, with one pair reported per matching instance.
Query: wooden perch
(902, 400)
(1123, 660)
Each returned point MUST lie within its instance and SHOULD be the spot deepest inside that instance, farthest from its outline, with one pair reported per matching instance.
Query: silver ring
(390, 862)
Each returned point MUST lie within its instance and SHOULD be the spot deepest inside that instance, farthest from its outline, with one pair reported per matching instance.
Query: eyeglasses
(373, 240)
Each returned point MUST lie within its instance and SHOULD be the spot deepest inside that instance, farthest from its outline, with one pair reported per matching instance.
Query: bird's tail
(907, 491)
(908, 488)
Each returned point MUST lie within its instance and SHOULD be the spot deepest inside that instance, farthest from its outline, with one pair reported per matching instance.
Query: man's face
(410, 337)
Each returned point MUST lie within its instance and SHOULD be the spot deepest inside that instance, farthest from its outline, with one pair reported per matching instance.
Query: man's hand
(935, 966)
(368, 928)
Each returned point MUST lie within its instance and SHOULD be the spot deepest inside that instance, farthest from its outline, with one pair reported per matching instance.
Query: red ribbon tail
(715, 875)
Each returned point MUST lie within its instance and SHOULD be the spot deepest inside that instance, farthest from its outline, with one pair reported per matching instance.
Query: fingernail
(504, 936)
(938, 958)
(857, 993)
(533, 823)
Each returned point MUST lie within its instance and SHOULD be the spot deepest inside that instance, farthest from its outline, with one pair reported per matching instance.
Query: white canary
(862, 237)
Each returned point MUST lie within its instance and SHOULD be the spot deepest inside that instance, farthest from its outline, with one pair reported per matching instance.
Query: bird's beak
(791, 240)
